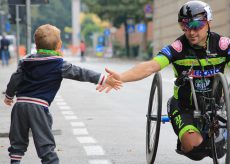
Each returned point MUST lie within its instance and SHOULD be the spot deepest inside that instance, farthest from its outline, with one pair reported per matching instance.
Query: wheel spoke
(220, 139)
(153, 119)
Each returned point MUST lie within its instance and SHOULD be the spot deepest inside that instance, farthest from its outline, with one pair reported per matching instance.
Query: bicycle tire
(154, 120)
(221, 88)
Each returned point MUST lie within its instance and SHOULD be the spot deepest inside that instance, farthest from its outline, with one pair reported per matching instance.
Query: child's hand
(112, 82)
(8, 101)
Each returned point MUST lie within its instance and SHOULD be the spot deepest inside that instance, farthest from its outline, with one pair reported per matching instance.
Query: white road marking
(77, 124)
(67, 112)
(61, 103)
(90, 150)
(94, 150)
(70, 117)
(80, 131)
(64, 107)
(86, 140)
(59, 100)
(99, 161)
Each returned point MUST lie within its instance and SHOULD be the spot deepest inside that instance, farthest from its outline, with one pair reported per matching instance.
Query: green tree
(118, 12)
(57, 12)
(88, 28)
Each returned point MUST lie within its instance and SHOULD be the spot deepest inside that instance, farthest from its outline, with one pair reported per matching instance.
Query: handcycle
(214, 114)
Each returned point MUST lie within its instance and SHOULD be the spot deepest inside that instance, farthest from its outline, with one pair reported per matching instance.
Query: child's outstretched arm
(74, 72)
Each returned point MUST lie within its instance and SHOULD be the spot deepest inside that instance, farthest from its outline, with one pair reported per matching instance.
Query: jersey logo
(205, 73)
(177, 45)
(202, 84)
(223, 43)
(167, 52)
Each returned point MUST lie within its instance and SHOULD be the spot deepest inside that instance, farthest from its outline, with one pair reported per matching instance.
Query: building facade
(166, 28)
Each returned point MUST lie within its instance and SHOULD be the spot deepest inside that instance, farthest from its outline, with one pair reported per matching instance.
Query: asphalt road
(100, 128)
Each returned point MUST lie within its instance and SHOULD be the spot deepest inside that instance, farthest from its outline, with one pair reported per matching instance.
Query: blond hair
(47, 37)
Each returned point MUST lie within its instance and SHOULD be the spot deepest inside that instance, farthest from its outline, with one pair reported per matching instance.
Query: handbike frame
(210, 114)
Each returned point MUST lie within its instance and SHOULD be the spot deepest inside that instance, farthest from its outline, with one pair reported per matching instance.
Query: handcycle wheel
(221, 149)
(154, 118)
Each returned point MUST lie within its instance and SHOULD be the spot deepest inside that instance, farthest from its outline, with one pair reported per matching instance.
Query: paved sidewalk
(5, 73)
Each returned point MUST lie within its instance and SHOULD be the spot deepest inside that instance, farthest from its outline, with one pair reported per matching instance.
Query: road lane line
(64, 107)
(70, 117)
(58, 99)
(80, 131)
(94, 150)
(77, 124)
(86, 140)
(67, 113)
(61, 103)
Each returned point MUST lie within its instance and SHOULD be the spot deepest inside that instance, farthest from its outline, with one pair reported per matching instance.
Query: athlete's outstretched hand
(112, 82)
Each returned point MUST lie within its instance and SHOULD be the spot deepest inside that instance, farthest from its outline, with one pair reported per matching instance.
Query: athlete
(207, 53)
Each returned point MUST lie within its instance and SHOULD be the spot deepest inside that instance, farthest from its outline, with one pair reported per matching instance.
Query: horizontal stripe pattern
(16, 157)
(204, 62)
(11, 98)
(43, 58)
(33, 100)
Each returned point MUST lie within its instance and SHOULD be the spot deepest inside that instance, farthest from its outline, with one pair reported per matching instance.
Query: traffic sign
(99, 48)
(148, 9)
(100, 39)
(107, 32)
(141, 28)
(7, 27)
(130, 28)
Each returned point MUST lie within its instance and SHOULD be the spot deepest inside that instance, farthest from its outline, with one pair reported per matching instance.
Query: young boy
(35, 84)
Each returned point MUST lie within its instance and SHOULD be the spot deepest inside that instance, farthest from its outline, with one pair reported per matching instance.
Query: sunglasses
(195, 25)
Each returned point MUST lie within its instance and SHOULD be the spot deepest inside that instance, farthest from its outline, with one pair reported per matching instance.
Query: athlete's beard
(201, 44)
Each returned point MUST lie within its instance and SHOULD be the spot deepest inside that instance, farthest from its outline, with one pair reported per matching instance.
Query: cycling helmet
(195, 10)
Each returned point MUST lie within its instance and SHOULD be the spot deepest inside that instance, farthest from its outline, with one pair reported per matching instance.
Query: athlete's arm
(140, 71)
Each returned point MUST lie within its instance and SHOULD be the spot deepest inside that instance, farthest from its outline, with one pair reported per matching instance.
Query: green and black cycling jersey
(205, 61)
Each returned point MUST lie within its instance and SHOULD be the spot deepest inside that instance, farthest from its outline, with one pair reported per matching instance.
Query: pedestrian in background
(4, 50)
(82, 49)
(35, 84)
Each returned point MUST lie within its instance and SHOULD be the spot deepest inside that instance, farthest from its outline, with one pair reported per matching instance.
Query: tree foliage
(88, 27)
(117, 11)
(57, 13)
